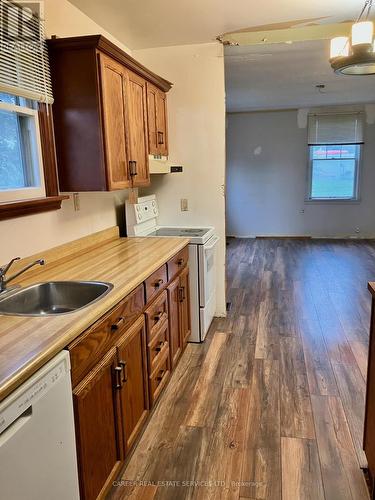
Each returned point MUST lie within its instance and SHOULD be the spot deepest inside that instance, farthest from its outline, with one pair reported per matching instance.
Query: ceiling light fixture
(355, 55)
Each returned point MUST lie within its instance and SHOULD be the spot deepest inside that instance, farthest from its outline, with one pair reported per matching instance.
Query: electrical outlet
(76, 202)
(184, 205)
(357, 230)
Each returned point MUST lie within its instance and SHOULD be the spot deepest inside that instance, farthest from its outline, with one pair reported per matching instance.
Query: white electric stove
(141, 220)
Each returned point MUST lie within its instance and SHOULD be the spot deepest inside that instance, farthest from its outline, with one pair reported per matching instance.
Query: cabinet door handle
(133, 168)
(124, 367)
(181, 292)
(118, 370)
(161, 375)
(180, 262)
(118, 324)
(160, 138)
(158, 283)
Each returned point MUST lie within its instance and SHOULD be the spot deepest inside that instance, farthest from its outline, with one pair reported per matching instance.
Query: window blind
(345, 128)
(24, 63)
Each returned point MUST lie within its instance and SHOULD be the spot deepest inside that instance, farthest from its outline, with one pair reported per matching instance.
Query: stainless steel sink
(52, 298)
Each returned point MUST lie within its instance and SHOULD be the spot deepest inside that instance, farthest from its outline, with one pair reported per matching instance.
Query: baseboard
(311, 237)
(283, 237)
(249, 237)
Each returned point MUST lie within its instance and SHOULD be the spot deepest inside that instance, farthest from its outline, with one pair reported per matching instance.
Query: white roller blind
(24, 64)
(345, 128)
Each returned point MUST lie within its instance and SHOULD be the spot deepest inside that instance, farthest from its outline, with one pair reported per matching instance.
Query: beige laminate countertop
(26, 343)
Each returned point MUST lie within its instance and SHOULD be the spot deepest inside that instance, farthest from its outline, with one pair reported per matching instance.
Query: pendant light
(355, 55)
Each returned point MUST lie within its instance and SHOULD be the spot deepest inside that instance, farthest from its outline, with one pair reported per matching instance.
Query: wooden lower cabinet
(185, 318)
(132, 382)
(179, 315)
(120, 367)
(175, 334)
(97, 431)
(111, 406)
(159, 378)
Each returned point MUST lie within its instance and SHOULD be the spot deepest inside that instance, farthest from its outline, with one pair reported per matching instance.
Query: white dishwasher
(37, 441)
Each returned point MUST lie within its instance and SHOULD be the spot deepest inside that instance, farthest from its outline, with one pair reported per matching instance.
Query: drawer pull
(180, 262)
(160, 346)
(118, 370)
(124, 367)
(118, 324)
(161, 375)
(158, 283)
(158, 316)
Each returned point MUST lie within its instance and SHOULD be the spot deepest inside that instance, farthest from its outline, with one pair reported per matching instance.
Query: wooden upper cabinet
(161, 116)
(152, 93)
(113, 86)
(136, 103)
(100, 114)
(157, 121)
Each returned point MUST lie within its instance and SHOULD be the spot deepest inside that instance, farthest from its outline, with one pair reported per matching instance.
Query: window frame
(358, 167)
(31, 192)
(52, 199)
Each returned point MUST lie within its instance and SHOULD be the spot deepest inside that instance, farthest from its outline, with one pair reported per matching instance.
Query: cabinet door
(152, 101)
(96, 428)
(184, 298)
(162, 125)
(175, 337)
(134, 391)
(113, 84)
(137, 129)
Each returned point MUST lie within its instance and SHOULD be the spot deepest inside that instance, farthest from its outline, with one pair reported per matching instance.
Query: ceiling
(156, 23)
(278, 76)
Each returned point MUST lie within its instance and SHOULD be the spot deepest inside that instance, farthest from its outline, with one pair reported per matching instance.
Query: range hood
(159, 164)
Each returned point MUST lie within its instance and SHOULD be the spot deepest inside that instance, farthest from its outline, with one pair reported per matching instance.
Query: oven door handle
(213, 242)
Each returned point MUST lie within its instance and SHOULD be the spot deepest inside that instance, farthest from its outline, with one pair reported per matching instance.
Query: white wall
(28, 235)
(266, 182)
(196, 113)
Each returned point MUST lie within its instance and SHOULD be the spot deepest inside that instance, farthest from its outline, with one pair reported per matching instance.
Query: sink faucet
(3, 271)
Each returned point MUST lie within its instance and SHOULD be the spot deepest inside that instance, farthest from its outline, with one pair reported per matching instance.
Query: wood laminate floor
(272, 405)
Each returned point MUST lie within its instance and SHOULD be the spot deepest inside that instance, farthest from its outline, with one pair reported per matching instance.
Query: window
(28, 176)
(335, 144)
(21, 166)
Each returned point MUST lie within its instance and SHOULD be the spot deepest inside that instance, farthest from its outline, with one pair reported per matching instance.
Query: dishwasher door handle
(16, 426)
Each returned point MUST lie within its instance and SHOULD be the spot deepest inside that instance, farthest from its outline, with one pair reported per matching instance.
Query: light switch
(184, 205)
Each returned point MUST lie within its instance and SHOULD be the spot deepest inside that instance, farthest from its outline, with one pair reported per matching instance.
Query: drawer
(158, 345)
(178, 262)
(93, 344)
(156, 282)
(156, 314)
(159, 378)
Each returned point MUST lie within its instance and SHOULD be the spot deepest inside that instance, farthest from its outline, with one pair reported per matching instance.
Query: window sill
(326, 201)
(21, 208)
